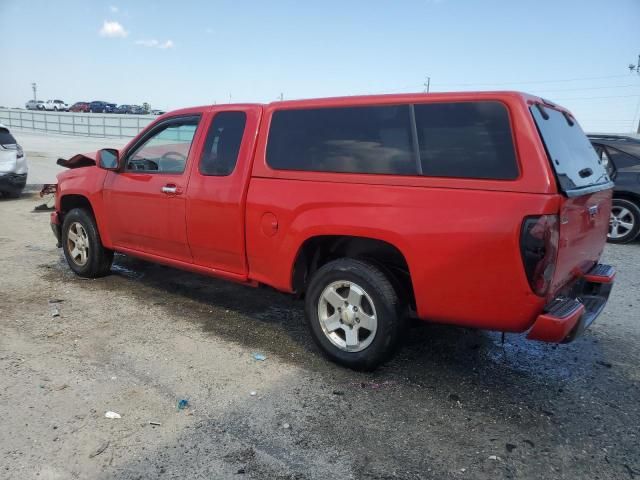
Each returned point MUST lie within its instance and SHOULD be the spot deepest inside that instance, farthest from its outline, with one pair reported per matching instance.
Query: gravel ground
(454, 404)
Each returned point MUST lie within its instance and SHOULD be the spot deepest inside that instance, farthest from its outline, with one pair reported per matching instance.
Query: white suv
(13, 165)
(56, 106)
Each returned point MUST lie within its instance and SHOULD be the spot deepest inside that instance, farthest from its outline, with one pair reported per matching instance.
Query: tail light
(539, 249)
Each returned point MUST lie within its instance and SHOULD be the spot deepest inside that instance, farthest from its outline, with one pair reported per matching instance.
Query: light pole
(35, 88)
(635, 68)
(427, 84)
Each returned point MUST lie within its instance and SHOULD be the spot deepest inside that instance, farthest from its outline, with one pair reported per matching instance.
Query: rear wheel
(82, 245)
(354, 313)
(624, 223)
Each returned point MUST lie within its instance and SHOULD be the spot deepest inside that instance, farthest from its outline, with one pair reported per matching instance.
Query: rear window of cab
(457, 139)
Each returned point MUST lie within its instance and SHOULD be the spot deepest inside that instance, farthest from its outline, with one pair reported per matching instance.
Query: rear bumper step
(568, 316)
(601, 274)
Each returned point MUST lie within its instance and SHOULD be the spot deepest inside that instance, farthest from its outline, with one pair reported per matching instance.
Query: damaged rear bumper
(12, 183)
(568, 315)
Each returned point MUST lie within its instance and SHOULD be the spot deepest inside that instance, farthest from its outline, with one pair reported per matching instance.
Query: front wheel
(82, 245)
(624, 224)
(354, 313)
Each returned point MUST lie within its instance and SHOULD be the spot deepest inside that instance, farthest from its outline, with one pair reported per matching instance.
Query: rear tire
(624, 224)
(82, 245)
(354, 313)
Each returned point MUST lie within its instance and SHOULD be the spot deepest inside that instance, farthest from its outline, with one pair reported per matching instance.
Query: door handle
(171, 189)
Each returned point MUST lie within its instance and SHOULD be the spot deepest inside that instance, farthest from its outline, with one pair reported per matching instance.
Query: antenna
(427, 84)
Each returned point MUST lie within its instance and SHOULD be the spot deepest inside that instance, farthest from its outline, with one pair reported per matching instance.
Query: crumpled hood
(79, 160)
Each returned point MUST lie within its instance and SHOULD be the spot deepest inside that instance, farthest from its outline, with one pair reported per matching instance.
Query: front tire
(624, 224)
(82, 245)
(354, 313)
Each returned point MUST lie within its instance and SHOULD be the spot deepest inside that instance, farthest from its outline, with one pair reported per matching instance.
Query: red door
(218, 187)
(145, 201)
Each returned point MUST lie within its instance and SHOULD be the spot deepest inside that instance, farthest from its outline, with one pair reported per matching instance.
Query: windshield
(578, 168)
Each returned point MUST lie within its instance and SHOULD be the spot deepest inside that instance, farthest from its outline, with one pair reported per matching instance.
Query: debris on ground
(54, 306)
(253, 393)
(259, 357)
(183, 403)
(112, 415)
(157, 424)
(510, 447)
(286, 426)
(99, 450)
(494, 457)
(338, 392)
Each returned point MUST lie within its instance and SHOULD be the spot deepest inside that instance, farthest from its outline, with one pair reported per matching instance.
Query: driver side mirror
(108, 159)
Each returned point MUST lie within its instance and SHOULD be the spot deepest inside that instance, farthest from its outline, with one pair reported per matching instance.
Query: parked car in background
(56, 106)
(137, 110)
(370, 207)
(13, 164)
(79, 107)
(621, 157)
(98, 106)
(157, 112)
(130, 109)
(122, 109)
(34, 105)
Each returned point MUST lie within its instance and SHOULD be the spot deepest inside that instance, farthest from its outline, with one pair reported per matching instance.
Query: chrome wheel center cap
(347, 316)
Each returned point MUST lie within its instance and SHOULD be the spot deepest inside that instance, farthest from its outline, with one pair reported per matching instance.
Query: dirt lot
(453, 404)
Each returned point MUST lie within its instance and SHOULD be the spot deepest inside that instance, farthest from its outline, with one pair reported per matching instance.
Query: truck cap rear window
(578, 168)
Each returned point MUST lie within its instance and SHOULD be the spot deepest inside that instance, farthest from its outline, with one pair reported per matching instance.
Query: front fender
(85, 182)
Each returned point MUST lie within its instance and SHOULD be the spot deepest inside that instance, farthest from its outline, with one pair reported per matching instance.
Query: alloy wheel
(621, 222)
(347, 316)
(78, 244)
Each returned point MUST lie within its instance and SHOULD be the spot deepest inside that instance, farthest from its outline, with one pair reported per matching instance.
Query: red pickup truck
(486, 210)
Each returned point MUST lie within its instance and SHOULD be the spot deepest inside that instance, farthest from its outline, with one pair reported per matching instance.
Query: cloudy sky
(174, 54)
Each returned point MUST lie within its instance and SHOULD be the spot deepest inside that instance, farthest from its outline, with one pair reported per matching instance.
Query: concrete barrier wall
(70, 123)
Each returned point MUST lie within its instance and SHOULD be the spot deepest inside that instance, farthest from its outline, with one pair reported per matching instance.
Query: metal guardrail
(71, 123)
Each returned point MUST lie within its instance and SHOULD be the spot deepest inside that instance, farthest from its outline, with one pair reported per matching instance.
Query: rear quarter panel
(462, 248)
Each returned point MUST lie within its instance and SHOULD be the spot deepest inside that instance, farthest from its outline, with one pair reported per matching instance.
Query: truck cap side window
(220, 152)
(466, 140)
(461, 139)
(166, 149)
(578, 168)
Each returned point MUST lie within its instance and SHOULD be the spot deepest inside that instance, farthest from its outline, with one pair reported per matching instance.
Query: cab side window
(220, 152)
(166, 150)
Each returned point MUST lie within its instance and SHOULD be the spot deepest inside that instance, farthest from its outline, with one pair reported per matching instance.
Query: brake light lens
(539, 248)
